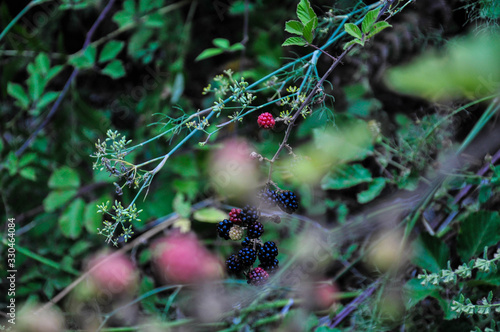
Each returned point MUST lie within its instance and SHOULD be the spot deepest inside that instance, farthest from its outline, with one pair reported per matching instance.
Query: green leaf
(430, 253)
(17, 91)
(210, 215)
(42, 63)
(416, 292)
(457, 72)
(294, 27)
(208, 53)
(71, 221)
(64, 177)
(181, 206)
(58, 198)
(353, 30)
(352, 42)
(221, 43)
(294, 41)
(53, 72)
(236, 47)
(177, 88)
(374, 189)
(480, 229)
(114, 69)
(369, 19)
(84, 60)
(304, 12)
(111, 50)
(47, 98)
(36, 85)
(308, 30)
(346, 177)
(28, 173)
(154, 20)
(379, 26)
(27, 159)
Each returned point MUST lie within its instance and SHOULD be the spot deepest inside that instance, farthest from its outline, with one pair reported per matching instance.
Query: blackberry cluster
(249, 215)
(255, 230)
(247, 219)
(257, 276)
(268, 197)
(223, 228)
(288, 202)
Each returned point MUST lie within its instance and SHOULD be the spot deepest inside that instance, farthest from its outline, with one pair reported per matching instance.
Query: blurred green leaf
(114, 69)
(17, 91)
(469, 68)
(208, 53)
(91, 219)
(430, 253)
(181, 206)
(480, 229)
(111, 50)
(71, 221)
(28, 173)
(47, 98)
(374, 189)
(84, 60)
(210, 215)
(58, 198)
(64, 177)
(221, 43)
(42, 63)
(346, 177)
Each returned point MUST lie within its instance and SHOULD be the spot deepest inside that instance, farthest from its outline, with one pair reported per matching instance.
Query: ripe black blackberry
(288, 202)
(247, 256)
(257, 276)
(270, 266)
(268, 253)
(249, 214)
(255, 230)
(233, 264)
(268, 197)
(251, 243)
(223, 228)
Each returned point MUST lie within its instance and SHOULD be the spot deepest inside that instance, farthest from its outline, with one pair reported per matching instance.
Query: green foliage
(222, 45)
(304, 28)
(369, 28)
(468, 67)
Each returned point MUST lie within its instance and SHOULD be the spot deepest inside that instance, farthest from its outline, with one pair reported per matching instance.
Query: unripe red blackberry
(268, 253)
(223, 228)
(236, 233)
(235, 216)
(266, 121)
(255, 230)
(247, 256)
(270, 266)
(288, 202)
(257, 276)
(233, 264)
(249, 214)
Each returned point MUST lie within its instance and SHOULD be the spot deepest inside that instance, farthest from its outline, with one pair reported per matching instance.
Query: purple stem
(73, 75)
(481, 172)
(354, 303)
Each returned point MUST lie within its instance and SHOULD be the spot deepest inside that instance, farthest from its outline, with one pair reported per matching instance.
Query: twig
(73, 75)
(354, 304)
